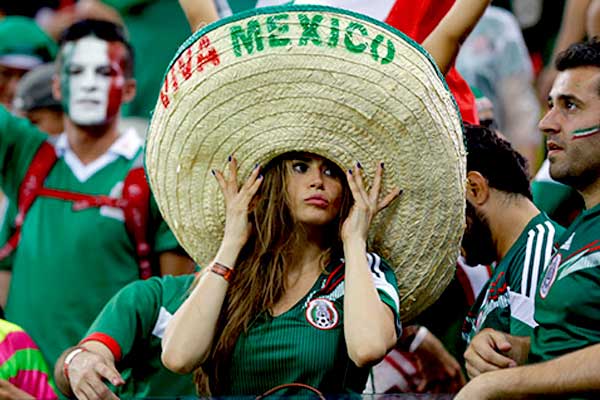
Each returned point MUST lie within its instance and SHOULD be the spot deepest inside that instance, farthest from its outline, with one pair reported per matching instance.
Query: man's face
(92, 80)
(9, 77)
(477, 242)
(572, 127)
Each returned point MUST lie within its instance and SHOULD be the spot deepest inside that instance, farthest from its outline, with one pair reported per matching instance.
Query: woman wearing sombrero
(254, 156)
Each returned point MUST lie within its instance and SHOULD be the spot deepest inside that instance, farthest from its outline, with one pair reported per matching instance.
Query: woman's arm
(189, 335)
(369, 324)
(199, 12)
(445, 40)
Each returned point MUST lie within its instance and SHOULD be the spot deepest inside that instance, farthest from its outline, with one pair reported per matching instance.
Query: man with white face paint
(76, 247)
(94, 82)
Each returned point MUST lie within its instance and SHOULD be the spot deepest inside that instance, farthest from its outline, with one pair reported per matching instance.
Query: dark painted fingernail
(400, 192)
(256, 165)
(382, 165)
(358, 165)
(229, 159)
(212, 171)
(350, 171)
(260, 176)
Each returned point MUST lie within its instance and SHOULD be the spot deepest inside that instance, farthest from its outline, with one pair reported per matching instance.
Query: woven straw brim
(324, 81)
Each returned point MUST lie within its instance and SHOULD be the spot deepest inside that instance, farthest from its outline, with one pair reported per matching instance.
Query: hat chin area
(323, 81)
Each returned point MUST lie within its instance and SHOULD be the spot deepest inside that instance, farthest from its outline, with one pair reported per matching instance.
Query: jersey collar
(127, 145)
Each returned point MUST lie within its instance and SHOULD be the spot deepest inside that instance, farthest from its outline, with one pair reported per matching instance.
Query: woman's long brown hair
(259, 280)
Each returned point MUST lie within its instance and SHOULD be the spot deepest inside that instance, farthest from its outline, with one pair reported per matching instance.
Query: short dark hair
(583, 54)
(494, 158)
(104, 30)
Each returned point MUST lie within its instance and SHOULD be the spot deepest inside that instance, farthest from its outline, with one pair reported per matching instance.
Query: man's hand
(440, 372)
(489, 350)
(87, 371)
(8, 391)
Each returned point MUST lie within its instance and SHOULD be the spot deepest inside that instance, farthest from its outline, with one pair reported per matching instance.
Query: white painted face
(93, 81)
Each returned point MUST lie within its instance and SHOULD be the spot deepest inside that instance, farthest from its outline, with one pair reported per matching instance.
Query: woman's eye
(328, 172)
(570, 106)
(300, 167)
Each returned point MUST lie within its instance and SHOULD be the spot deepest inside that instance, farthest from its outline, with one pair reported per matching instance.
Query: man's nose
(548, 124)
(89, 80)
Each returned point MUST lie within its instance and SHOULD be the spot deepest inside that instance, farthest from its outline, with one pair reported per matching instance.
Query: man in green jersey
(126, 337)
(72, 256)
(503, 226)
(565, 342)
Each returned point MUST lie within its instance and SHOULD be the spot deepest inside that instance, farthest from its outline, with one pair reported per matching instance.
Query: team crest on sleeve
(550, 275)
(322, 314)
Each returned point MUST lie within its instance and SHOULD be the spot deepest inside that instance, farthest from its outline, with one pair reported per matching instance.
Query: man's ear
(56, 92)
(478, 190)
(129, 90)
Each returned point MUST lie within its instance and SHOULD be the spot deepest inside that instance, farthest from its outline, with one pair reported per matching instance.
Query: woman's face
(314, 189)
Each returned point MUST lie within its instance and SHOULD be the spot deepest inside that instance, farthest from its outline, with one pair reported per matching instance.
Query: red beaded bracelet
(222, 270)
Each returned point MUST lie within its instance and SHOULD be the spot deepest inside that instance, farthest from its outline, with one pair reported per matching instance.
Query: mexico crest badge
(550, 275)
(322, 314)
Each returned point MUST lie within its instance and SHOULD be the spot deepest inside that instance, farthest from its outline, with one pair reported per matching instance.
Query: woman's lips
(317, 201)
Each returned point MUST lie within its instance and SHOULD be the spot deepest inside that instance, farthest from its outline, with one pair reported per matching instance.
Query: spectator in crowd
(78, 242)
(121, 350)
(34, 100)
(23, 46)
(495, 60)
(23, 372)
(562, 202)
(506, 228)
(503, 226)
(568, 296)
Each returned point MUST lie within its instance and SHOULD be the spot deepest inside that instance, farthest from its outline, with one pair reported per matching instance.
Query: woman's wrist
(355, 240)
(228, 254)
(354, 243)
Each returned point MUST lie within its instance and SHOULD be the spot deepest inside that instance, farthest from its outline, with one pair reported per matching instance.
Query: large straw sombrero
(324, 81)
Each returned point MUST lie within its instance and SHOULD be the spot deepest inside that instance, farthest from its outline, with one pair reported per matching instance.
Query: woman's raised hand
(366, 204)
(237, 204)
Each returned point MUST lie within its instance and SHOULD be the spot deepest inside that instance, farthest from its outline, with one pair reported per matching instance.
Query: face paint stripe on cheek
(116, 56)
(585, 132)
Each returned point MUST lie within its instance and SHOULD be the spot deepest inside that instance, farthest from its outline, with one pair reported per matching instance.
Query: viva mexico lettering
(255, 36)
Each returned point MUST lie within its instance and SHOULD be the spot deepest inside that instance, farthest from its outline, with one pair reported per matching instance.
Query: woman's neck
(310, 247)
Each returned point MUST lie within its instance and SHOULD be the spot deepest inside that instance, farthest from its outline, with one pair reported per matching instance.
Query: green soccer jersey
(507, 302)
(132, 325)
(306, 344)
(69, 263)
(567, 305)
